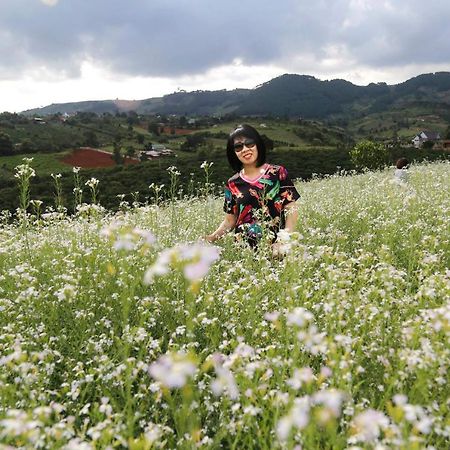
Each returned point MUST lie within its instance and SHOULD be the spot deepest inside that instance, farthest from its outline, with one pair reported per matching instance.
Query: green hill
(290, 95)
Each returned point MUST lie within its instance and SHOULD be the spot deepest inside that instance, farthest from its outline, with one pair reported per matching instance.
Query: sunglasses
(239, 146)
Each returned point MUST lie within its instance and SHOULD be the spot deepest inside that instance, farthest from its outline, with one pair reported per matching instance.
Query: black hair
(401, 162)
(248, 132)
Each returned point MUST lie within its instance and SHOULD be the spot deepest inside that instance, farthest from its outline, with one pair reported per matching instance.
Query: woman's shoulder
(276, 169)
(233, 178)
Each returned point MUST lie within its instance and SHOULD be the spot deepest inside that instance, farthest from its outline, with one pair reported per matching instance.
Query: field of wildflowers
(125, 330)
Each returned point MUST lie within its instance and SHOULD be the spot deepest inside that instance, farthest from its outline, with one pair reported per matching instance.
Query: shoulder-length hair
(245, 131)
(401, 162)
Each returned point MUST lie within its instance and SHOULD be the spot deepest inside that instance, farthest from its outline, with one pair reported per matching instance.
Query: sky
(57, 51)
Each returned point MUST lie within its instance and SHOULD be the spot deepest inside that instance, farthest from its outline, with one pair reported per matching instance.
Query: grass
(112, 337)
(44, 163)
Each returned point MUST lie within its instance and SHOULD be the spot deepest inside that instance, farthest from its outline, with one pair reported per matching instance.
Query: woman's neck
(251, 171)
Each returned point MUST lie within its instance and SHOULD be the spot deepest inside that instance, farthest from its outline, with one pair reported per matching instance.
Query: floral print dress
(259, 204)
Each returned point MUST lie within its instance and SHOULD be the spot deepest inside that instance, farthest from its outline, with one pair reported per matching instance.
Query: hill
(289, 95)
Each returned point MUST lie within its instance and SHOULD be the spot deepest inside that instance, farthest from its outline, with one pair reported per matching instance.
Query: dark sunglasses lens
(249, 143)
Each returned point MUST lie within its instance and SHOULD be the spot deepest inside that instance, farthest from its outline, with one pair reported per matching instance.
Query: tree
(447, 133)
(27, 146)
(153, 128)
(130, 151)
(6, 145)
(133, 118)
(192, 142)
(117, 155)
(369, 154)
(90, 139)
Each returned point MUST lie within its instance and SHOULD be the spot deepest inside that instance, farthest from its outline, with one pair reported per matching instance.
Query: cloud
(179, 40)
(49, 2)
(186, 37)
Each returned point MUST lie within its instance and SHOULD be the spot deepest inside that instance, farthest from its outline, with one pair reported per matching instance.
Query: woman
(401, 172)
(260, 196)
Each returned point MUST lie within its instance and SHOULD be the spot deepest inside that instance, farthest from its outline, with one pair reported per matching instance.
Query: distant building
(149, 154)
(157, 151)
(158, 147)
(425, 136)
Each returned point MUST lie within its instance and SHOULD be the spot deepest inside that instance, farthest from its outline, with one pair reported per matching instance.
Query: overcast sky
(55, 51)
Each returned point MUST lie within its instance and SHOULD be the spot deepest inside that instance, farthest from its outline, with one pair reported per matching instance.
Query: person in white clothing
(401, 174)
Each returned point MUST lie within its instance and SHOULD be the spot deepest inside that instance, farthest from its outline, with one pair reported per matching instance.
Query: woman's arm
(291, 210)
(228, 224)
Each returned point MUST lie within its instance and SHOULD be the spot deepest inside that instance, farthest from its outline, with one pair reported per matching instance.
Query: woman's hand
(291, 210)
(228, 224)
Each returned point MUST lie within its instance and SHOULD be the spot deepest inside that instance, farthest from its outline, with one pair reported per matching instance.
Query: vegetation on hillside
(292, 96)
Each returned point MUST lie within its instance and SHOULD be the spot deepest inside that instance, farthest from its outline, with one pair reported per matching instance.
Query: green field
(123, 330)
(43, 163)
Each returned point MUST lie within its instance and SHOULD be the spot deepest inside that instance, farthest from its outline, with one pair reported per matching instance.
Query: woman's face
(246, 150)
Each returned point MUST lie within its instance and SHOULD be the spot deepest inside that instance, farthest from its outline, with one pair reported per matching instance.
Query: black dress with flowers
(259, 204)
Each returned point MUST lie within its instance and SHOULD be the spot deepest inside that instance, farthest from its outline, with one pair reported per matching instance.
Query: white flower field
(125, 330)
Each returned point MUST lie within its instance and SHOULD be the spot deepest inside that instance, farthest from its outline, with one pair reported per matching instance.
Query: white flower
(92, 183)
(77, 444)
(18, 423)
(206, 165)
(300, 377)
(225, 380)
(125, 237)
(195, 260)
(252, 410)
(173, 171)
(298, 417)
(300, 317)
(368, 425)
(313, 341)
(172, 370)
(152, 433)
(24, 171)
(331, 399)
(272, 316)
(400, 399)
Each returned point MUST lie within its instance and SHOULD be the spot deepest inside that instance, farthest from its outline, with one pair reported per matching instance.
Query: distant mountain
(288, 95)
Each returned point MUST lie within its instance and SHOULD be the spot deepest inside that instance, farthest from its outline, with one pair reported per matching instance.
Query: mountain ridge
(287, 95)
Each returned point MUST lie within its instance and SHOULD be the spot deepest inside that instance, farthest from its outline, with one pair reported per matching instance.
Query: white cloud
(98, 84)
(49, 2)
(143, 48)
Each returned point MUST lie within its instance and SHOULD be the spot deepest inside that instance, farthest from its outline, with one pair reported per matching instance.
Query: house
(158, 147)
(157, 151)
(149, 154)
(425, 136)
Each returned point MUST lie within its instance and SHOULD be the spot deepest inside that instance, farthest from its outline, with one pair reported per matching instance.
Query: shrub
(369, 155)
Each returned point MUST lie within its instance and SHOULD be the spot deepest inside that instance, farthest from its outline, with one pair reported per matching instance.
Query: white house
(158, 147)
(425, 136)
